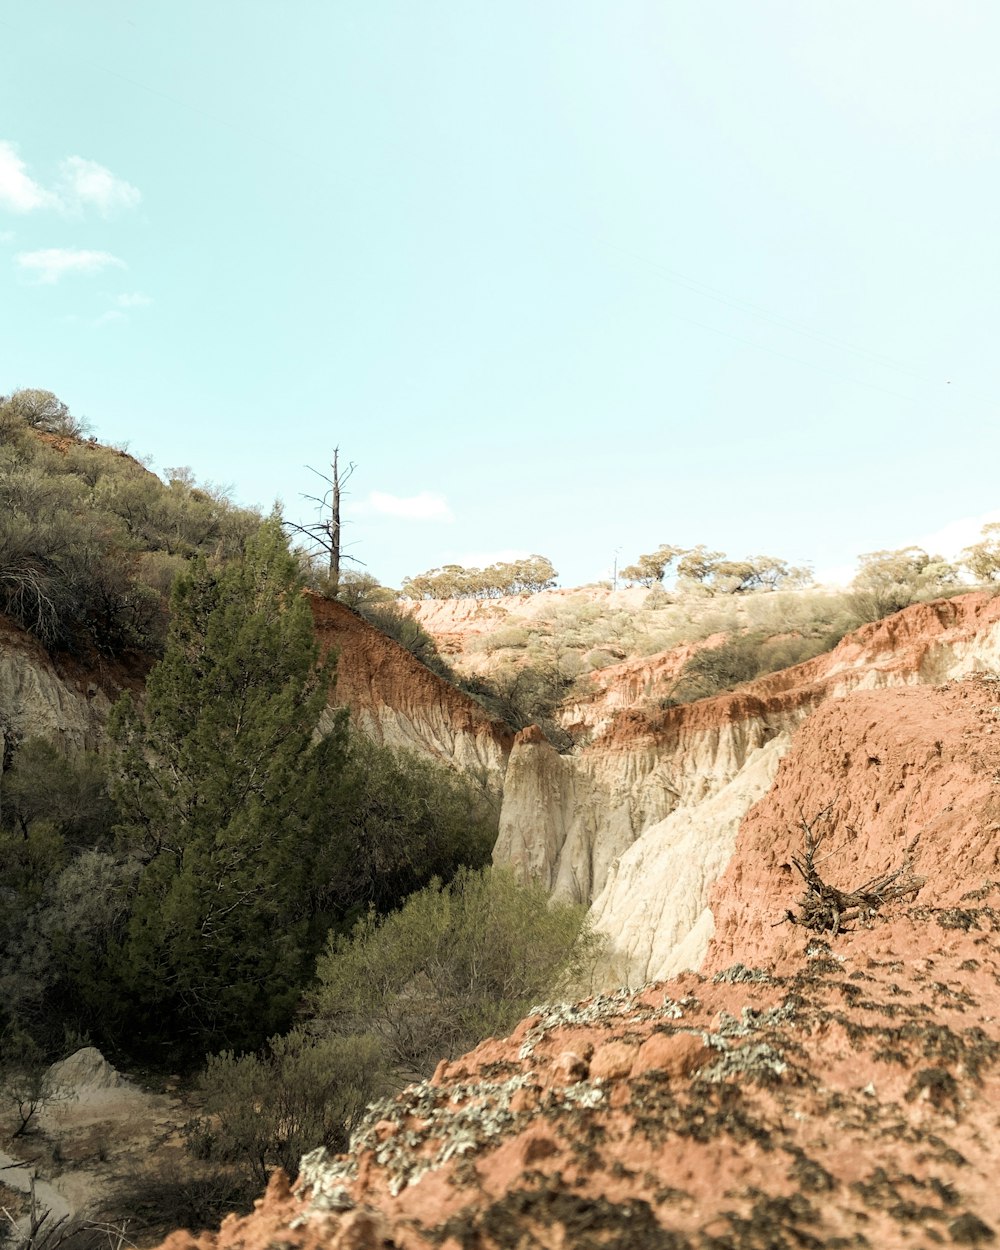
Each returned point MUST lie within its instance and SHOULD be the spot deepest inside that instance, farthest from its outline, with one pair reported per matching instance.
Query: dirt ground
(107, 1156)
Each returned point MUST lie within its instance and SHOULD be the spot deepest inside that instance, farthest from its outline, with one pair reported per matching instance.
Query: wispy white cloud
(49, 264)
(86, 184)
(19, 192)
(6, 236)
(949, 540)
(108, 318)
(82, 184)
(426, 506)
(122, 306)
(133, 299)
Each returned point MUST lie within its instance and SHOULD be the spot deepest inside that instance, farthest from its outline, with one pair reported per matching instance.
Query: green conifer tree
(223, 786)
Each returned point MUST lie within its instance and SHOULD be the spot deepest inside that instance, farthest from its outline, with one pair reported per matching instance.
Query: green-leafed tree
(888, 581)
(649, 569)
(698, 564)
(737, 577)
(982, 559)
(222, 788)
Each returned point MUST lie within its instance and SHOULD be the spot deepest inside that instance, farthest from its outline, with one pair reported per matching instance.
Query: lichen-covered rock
(848, 1100)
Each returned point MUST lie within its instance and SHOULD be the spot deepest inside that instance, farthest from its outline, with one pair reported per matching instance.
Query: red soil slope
(376, 676)
(898, 650)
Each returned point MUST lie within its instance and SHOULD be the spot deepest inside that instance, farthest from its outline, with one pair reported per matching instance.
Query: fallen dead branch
(826, 909)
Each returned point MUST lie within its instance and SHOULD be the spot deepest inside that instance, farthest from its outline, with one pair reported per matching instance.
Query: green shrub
(982, 559)
(456, 964)
(889, 581)
(25, 1085)
(713, 670)
(357, 590)
(267, 1110)
(41, 410)
(404, 628)
(509, 637)
(401, 820)
(525, 695)
(43, 783)
(76, 520)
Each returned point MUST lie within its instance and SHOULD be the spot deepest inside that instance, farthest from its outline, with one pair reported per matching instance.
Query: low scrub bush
(525, 695)
(510, 637)
(714, 670)
(404, 628)
(456, 964)
(267, 1110)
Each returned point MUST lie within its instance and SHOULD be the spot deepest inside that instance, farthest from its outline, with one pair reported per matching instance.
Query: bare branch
(325, 534)
(824, 907)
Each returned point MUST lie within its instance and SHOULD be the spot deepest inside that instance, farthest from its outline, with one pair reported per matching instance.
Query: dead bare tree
(826, 908)
(325, 533)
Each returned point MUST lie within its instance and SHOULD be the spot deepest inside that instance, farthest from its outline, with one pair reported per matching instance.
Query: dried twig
(824, 907)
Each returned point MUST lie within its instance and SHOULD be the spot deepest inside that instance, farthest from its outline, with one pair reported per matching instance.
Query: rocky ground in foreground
(849, 1100)
(805, 1089)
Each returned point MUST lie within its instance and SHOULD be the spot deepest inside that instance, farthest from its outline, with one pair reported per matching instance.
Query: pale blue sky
(561, 277)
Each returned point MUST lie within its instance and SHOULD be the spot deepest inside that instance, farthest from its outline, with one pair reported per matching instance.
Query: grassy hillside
(90, 540)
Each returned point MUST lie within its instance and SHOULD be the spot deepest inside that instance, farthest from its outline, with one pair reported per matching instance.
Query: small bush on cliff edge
(741, 659)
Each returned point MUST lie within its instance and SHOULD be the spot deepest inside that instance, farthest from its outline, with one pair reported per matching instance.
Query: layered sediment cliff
(59, 698)
(391, 696)
(395, 699)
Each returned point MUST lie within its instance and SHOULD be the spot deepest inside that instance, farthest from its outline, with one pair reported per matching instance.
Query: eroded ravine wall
(642, 822)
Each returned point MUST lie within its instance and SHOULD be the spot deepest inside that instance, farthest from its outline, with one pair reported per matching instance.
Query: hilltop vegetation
(453, 581)
(744, 618)
(90, 540)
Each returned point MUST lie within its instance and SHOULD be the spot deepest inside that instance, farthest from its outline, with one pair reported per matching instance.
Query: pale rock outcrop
(39, 701)
(566, 820)
(655, 933)
(87, 1074)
